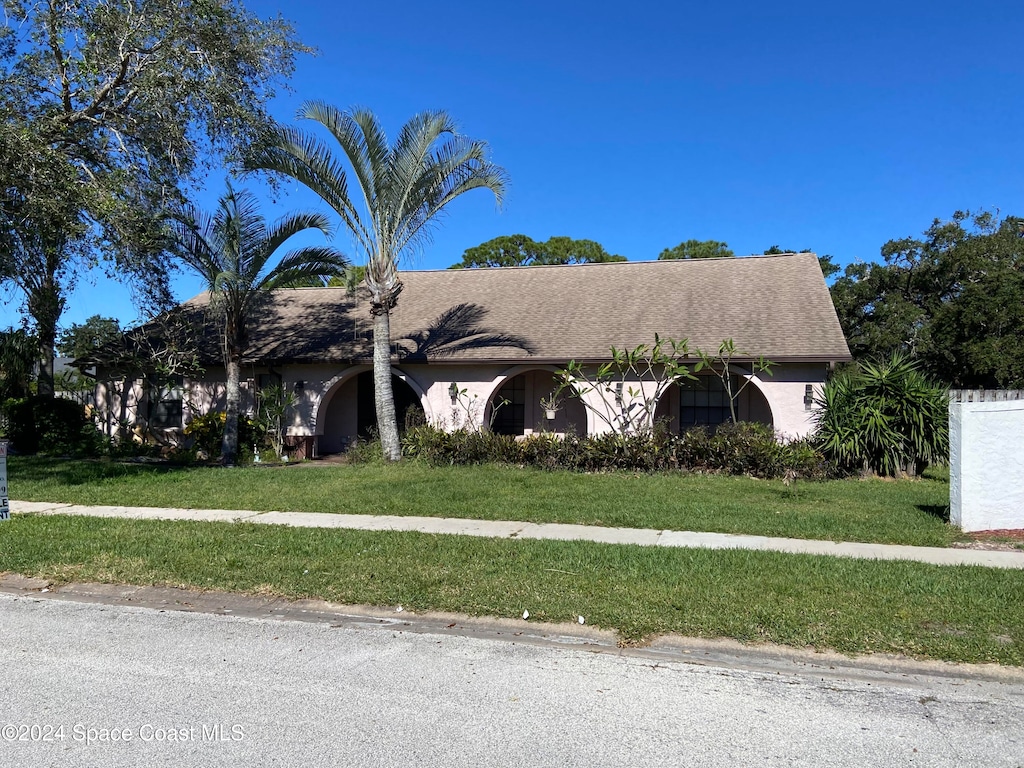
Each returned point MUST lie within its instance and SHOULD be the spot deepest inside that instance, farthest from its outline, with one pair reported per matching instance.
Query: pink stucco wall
(316, 385)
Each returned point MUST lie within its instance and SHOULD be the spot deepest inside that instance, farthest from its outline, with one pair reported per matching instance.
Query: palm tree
(229, 251)
(404, 186)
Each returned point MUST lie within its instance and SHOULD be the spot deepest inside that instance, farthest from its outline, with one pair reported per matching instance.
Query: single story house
(479, 348)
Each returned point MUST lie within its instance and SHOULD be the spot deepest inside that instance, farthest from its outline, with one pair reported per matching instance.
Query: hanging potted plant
(550, 405)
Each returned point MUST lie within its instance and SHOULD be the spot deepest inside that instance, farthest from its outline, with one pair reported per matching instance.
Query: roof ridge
(619, 263)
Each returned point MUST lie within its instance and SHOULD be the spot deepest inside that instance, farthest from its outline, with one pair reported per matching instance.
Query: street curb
(767, 658)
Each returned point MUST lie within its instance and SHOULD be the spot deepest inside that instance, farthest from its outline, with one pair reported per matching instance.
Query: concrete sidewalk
(506, 529)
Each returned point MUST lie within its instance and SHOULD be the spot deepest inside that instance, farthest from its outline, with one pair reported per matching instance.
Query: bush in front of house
(739, 449)
(884, 417)
(207, 433)
(51, 426)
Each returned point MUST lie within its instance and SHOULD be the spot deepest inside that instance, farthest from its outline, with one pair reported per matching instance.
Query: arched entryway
(705, 402)
(351, 413)
(516, 407)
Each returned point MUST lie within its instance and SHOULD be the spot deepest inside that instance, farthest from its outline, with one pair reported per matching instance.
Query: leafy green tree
(522, 251)
(17, 354)
(273, 404)
(404, 186)
(350, 279)
(565, 250)
(107, 109)
(84, 339)
(722, 367)
(953, 300)
(697, 249)
(885, 417)
(627, 409)
(877, 314)
(828, 266)
(230, 251)
(44, 233)
(775, 250)
(503, 251)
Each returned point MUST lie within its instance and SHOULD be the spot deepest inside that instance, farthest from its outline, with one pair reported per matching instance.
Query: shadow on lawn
(74, 472)
(938, 511)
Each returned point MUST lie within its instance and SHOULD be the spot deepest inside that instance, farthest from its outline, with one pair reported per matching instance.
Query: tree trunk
(229, 448)
(122, 417)
(45, 305)
(387, 422)
(47, 311)
(44, 381)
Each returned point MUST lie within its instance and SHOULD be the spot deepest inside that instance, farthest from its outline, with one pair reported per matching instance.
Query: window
(510, 417)
(165, 404)
(703, 402)
(265, 380)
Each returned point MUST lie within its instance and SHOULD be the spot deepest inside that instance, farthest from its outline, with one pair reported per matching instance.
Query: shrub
(742, 449)
(366, 449)
(51, 426)
(207, 433)
(885, 417)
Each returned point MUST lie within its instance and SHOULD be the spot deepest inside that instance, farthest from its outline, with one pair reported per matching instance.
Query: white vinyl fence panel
(986, 459)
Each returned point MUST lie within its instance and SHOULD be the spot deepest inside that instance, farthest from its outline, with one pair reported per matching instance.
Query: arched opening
(351, 412)
(705, 402)
(516, 408)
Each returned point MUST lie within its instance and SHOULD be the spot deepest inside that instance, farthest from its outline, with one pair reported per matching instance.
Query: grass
(880, 511)
(964, 614)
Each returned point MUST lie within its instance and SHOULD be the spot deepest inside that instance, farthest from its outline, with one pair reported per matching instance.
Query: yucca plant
(885, 417)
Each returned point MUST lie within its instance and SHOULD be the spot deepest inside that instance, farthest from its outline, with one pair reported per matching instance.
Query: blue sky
(834, 127)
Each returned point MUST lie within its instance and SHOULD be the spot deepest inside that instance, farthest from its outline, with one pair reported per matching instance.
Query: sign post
(5, 505)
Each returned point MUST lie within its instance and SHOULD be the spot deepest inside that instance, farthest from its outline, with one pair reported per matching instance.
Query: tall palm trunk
(229, 448)
(387, 422)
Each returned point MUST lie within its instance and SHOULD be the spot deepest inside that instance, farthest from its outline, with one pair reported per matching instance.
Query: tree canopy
(828, 267)
(953, 300)
(697, 249)
(775, 250)
(522, 251)
(108, 108)
(85, 339)
(17, 352)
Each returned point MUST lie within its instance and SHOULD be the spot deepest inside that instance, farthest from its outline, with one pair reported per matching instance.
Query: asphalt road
(91, 684)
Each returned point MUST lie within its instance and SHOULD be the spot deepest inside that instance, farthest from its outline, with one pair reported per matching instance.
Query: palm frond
(310, 162)
(454, 167)
(230, 251)
(296, 267)
(362, 140)
(405, 186)
(292, 224)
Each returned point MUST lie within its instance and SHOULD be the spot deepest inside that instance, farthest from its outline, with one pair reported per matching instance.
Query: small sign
(5, 505)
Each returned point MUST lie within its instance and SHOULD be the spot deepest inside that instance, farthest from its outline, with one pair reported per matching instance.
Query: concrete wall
(986, 465)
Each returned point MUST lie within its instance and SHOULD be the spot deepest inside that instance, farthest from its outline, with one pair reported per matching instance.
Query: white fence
(985, 395)
(986, 459)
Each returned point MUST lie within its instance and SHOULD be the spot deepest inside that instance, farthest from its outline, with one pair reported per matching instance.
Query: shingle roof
(776, 306)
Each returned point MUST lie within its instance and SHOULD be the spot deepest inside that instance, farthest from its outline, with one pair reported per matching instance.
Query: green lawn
(955, 613)
(904, 512)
